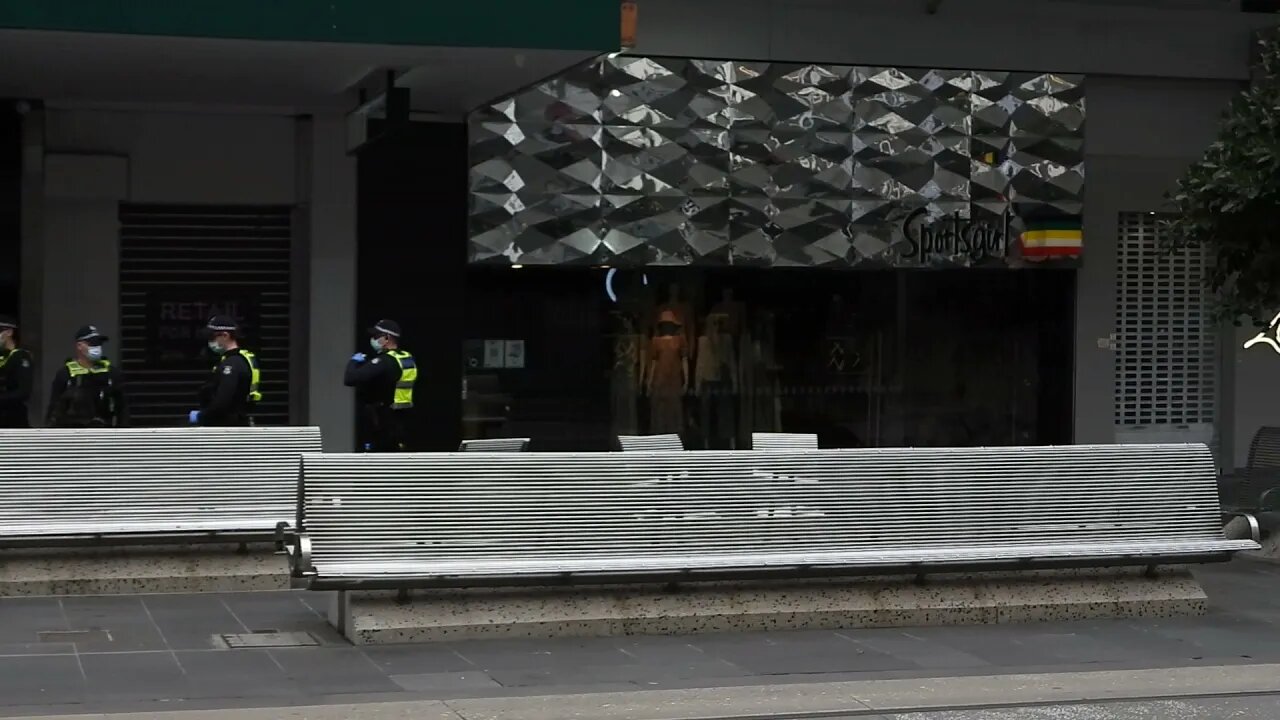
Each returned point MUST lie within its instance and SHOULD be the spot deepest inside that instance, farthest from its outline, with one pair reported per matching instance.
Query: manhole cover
(271, 639)
(74, 636)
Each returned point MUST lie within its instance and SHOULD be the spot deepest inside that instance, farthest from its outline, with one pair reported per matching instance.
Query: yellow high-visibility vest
(408, 376)
(255, 375)
(75, 369)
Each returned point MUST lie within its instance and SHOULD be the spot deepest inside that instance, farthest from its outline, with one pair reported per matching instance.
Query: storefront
(882, 256)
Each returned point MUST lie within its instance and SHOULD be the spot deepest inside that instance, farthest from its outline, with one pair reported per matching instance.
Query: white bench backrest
(650, 443)
(149, 480)
(778, 442)
(523, 512)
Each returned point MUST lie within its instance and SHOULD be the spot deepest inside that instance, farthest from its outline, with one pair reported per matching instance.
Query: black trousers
(14, 415)
(385, 430)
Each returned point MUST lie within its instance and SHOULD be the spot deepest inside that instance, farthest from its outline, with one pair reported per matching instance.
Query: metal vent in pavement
(92, 635)
(267, 639)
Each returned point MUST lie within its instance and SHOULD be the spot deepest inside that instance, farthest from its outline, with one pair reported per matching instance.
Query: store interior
(573, 357)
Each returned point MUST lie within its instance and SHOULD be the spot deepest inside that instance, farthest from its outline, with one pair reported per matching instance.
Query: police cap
(385, 327)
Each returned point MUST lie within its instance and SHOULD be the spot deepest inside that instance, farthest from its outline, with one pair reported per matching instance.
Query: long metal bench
(780, 442)
(650, 443)
(495, 445)
(122, 486)
(432, 520)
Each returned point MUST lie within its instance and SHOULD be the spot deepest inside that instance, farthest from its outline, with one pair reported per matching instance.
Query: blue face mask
(215, 348)
(94, 352)
(376, 344)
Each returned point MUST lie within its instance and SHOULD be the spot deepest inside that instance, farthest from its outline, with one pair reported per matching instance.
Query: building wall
(1142, 134)
(1253, 394)
(1159, 75)
(1156, 38)
(93, 160)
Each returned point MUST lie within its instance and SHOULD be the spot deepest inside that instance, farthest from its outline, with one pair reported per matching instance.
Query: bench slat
(881, 558)
(495, 445)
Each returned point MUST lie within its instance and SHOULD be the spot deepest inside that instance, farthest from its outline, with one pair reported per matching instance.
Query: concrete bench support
(367, 618)
(103, 511)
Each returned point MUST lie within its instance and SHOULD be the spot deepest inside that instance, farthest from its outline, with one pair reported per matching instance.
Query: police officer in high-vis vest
(87, 390)
(228, 397)
(384, 383)
(16, 374)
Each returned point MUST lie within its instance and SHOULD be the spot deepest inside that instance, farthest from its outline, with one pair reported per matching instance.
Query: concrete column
(328, 270)
(33, 247)
(79, 269)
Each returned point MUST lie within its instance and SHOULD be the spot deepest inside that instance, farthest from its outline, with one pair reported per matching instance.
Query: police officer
(15, 377)
(87, 390)
(384, 383)
(229, 395)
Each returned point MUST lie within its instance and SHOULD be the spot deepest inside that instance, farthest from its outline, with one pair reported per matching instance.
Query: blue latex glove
(359, 357)
(193, 417)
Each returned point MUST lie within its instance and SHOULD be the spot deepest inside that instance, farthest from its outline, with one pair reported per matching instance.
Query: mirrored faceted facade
(643, 161)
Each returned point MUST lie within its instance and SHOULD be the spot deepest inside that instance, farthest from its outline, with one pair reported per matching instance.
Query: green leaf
(1229, 201)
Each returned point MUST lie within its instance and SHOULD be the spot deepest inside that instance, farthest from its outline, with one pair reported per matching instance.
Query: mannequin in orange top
(667, 375)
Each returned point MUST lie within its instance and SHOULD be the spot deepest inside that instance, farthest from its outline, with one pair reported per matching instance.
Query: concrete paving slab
(455, 682)
(418, 660)
(134, 676)
(916, 650)
(41, 680)
(332, 671)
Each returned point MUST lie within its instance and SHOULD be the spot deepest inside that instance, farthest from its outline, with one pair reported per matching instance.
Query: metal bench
(495, 445)
(1244, 489)
(650, 443)
(780, 442)
(122, 486)
(402, 521)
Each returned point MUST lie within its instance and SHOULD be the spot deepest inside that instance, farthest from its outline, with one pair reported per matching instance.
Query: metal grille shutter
(1166, 343)
(180, 264)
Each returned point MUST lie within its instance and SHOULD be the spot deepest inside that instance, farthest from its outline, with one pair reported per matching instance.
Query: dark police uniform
(16, 377)
(84, 397)
(384, 383)
(228, 397)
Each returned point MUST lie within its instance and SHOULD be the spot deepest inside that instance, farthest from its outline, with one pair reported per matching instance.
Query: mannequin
(626, 375)
(764, 377)
(667, 375)
(716, 382)
(733, 309)
(682, 312)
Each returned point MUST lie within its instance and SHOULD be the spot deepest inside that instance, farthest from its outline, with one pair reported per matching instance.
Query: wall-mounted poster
(176, 318)
(494, 353)
(513, 358)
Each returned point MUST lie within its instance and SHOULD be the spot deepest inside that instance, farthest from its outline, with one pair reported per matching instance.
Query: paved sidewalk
(160, 652)
(1200, 692)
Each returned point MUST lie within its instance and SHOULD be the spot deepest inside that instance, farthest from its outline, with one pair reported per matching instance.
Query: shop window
(574, 356)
